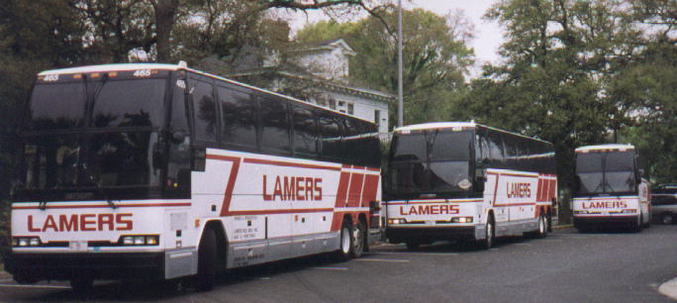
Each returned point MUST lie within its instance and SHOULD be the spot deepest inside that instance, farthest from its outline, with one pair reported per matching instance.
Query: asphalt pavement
(566, 266)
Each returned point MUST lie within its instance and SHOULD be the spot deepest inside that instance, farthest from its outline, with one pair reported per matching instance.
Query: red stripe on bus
(514, 204)
(337, 221)
(540, 193)
(278, 211)
(355, 191)
(104, 206)
(431, 202)
(495, 187)
(228, 195)
(370, 188)
(342, 189)
(290, 164)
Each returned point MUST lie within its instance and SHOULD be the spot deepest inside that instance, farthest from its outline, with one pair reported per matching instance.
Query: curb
(565, 226)
(669, 289)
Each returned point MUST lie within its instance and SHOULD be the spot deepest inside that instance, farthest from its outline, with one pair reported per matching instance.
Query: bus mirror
(198, 159)
(641, 172)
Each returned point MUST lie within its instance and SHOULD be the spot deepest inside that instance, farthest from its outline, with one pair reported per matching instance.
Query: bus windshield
(96, 139)
(605, 173)
(430, 162)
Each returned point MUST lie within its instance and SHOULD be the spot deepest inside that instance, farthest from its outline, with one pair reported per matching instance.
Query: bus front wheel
(489, 233)
(206, 261)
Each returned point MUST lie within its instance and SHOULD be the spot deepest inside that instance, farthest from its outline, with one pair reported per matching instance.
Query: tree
(436, 56)
(579, 72)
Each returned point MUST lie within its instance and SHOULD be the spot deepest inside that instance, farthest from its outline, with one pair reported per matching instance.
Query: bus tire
(358, 239)
(637, 227)
(490, 234)
(206, 261)
(666, 218)
(542, 231)
(82, 285)
(345, 242)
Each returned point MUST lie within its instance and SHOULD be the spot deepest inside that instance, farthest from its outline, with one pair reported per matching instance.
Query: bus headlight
(397, 221)
(25, 241)
(138, 240)
(461, 220)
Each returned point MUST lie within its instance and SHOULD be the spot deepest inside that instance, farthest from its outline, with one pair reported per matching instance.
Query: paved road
(564, 267)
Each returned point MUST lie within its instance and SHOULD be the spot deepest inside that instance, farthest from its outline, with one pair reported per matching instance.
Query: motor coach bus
(156, 171)
(467, 181)
(609, 189)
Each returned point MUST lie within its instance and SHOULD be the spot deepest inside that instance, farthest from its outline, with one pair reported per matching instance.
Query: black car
(664, 203)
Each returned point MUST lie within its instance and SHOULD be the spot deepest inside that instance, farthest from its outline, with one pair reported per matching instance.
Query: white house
(319, 73)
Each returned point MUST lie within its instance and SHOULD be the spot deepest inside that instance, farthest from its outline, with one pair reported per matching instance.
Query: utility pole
(400, 94)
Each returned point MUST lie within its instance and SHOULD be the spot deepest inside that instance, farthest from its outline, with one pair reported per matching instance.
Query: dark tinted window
(204, 110)
(409, 147)
(448, 145)
(179, 118)
(275, 124)
(239, 116)
(129, 103)
(305, 130)
(57, 106)
(330, 135)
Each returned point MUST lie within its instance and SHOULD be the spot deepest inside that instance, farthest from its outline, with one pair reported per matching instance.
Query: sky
(487, 34)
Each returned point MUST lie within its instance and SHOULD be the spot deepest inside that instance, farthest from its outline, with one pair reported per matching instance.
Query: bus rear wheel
(345, 242)
(358, 239)
(542, 227)
(667, 218)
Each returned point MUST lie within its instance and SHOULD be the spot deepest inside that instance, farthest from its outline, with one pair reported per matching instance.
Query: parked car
(664, 203)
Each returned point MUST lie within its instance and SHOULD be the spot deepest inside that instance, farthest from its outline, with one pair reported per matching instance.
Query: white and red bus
(467, 181)
(157, 171)
(609, 188)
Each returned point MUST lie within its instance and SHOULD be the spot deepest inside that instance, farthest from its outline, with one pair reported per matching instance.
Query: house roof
(326, 45)
(318, 82)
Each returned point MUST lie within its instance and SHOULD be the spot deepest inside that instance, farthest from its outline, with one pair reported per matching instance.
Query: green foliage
(436, 57)
(580, 72)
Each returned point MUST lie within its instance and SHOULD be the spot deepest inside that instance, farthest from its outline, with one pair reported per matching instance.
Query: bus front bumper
(583, 221)
(33, 267)
(431, 234)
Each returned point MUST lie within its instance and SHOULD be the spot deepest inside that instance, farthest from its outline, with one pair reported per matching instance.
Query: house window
(351, 108)
(377, 118)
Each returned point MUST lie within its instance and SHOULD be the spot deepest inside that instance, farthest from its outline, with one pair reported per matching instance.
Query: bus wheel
(666, 218)
(489, 233)
(82, 285)
(358, 239)
(346, 242)
(542, 227)
(206, 261)
(637, 227)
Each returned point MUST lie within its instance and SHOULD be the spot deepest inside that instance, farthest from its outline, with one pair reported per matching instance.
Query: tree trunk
(165, 12)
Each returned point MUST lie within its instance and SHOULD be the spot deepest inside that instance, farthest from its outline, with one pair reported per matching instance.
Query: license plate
(78, 245)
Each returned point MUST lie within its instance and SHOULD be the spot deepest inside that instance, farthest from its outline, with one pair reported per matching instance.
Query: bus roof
(605, 147)
(109, 68)
(173, 67)
(458, 125)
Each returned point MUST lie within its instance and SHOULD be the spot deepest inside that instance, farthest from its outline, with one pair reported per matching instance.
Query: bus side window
(204, 111)
(305, 131)
(238, 112)
(496, 150)
(330, 137)
(275, 137)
